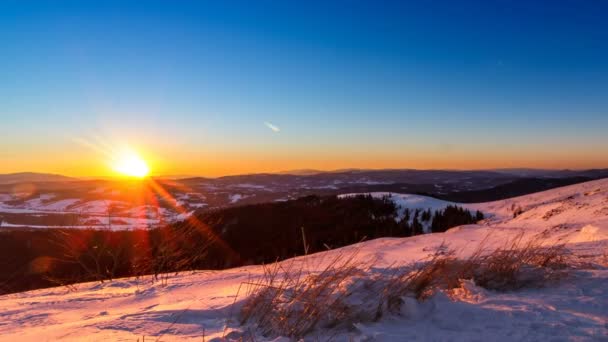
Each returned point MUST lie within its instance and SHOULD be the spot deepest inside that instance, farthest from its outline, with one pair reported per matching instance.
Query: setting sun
(132, 165)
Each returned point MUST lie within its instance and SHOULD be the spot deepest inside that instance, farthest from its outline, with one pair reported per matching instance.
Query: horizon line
(299, 172)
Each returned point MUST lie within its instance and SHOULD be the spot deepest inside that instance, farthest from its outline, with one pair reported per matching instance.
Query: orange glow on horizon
(96, 158)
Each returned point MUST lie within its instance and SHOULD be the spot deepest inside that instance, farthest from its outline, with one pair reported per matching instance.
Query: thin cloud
(272, 127)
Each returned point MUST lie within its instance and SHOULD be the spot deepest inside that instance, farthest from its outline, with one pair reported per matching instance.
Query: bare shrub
(518, 264)
(521, 264)
(95, 252)
(443, 270)
(516, 210)
(290, 301)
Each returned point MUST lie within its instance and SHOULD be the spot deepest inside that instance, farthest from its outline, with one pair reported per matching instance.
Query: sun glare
(132, 165)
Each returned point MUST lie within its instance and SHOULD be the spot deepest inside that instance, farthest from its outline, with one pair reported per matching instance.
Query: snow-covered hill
(202, 305)
(569, 208)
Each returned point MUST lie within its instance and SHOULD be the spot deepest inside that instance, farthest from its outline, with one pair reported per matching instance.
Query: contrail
(272, 127)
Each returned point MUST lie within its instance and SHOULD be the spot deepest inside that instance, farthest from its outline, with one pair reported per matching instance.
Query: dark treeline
(453, 216)
(515, 188)
(214, 239)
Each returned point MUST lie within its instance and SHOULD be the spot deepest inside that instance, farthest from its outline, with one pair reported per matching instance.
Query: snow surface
(99, 206)
(61, 205)
(199, 306)
(134, 217)
(237, 197)
(250, 186)
(44, 203)
(411, 202)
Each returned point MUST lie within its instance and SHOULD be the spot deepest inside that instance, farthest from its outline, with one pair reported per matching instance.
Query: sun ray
(192, 219)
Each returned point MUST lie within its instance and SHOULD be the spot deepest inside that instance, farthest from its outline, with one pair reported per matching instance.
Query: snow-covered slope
(199, 305)
(568, 208)
(572, 206)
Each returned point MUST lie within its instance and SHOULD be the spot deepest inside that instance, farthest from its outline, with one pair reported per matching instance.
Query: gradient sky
(254, 86)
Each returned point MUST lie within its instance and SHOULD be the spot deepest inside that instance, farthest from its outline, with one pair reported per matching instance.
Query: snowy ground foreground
(198, 305)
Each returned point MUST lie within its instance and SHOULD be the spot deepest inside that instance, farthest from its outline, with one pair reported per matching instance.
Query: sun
(130, 164)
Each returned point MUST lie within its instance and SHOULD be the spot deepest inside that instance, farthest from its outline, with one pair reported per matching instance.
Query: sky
(229, 87)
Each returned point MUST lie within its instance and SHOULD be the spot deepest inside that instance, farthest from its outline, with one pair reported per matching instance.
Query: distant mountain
(516, 188)
(564, 173)
(301, 172)
(30, 177)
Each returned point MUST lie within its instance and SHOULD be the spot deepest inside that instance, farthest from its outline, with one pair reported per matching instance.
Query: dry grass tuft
(292, 301)
(518, 264)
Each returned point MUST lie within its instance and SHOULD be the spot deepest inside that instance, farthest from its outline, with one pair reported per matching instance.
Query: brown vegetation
(292, 301)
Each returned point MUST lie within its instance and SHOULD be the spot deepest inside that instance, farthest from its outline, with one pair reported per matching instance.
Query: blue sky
(428, 84)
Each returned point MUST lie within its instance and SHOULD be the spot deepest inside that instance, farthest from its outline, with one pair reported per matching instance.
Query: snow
(61, 205)
(130, 225)
(558, 313)
(236, 197)
(89, 211)
(140, 217)
(199, 305)
(35, 202)
(332, 187)
(149, 211)
(12, 210)
(411, 202)
(589, 233)
(181, 217)
(370, 182)
(98, 206)
(43, 203)
(250, 186)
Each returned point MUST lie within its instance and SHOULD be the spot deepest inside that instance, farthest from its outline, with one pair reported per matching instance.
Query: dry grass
(292, 301)
(518, 264)
(289, 300)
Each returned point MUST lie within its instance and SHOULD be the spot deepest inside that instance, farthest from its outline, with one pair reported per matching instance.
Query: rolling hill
(29, 177)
